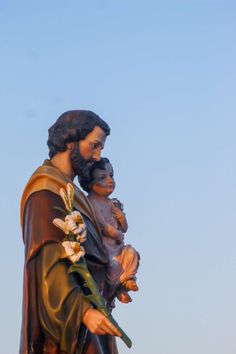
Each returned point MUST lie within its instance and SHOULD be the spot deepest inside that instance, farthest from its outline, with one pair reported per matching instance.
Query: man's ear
(69, 146)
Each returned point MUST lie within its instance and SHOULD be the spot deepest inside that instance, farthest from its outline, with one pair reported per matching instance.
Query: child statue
(123, 259)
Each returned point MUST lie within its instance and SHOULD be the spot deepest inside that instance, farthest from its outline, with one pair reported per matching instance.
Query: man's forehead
(97, 135)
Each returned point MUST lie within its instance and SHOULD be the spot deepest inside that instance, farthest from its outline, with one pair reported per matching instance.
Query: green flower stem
(95, 297)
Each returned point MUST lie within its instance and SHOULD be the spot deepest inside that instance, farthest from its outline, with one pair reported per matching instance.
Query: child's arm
(106, 228)
(120, 217)
(112, 232)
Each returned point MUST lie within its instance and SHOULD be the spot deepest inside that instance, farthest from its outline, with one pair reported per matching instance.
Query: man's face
(91, 146)
(87, 151)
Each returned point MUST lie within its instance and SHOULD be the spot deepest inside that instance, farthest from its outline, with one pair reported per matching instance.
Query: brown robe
(53, 303)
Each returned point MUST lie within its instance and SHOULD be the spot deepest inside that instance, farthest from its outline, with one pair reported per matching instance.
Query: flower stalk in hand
(75, 230)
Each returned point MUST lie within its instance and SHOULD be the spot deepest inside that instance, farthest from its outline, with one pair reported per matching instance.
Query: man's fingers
(111, 329)
(106, 327)
(97, 323)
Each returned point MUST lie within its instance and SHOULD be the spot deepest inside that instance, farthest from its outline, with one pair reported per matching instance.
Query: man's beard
(80, 166)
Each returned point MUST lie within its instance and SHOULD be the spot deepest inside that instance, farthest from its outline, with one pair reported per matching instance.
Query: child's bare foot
(131, 285)
(124, 297)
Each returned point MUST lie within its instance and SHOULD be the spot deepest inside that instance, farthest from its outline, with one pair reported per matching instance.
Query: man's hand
(97, 323)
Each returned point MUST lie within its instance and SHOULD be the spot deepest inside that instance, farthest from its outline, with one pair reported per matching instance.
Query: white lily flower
(77, 217)
(74, 250)
(61, 225)
(73, 224)
(82, 236)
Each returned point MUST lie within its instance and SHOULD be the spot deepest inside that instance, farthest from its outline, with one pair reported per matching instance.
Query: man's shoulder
(45, 178)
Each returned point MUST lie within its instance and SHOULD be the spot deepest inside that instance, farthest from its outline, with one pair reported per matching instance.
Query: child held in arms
(123, 259)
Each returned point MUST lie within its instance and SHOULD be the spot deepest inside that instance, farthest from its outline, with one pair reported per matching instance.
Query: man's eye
(95, 145)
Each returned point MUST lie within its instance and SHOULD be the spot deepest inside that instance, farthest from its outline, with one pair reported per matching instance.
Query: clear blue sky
(162, 74)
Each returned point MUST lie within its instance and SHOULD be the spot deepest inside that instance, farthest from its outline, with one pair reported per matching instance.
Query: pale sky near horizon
(162, 74)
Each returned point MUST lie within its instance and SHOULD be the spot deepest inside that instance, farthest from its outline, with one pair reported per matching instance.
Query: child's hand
(119, 236)
(119, 215)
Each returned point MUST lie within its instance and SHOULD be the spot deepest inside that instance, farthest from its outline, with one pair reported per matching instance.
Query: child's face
(103, 182)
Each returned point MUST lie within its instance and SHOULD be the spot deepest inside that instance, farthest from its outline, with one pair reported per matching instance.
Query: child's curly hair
(86, 183)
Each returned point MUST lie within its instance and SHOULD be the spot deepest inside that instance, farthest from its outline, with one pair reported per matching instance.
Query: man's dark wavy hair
(73, 126)
(86, 182)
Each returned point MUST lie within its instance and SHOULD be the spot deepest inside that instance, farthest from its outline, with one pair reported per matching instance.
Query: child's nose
(109, 179)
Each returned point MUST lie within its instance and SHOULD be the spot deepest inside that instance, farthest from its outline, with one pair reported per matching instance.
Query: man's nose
(97, 155)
